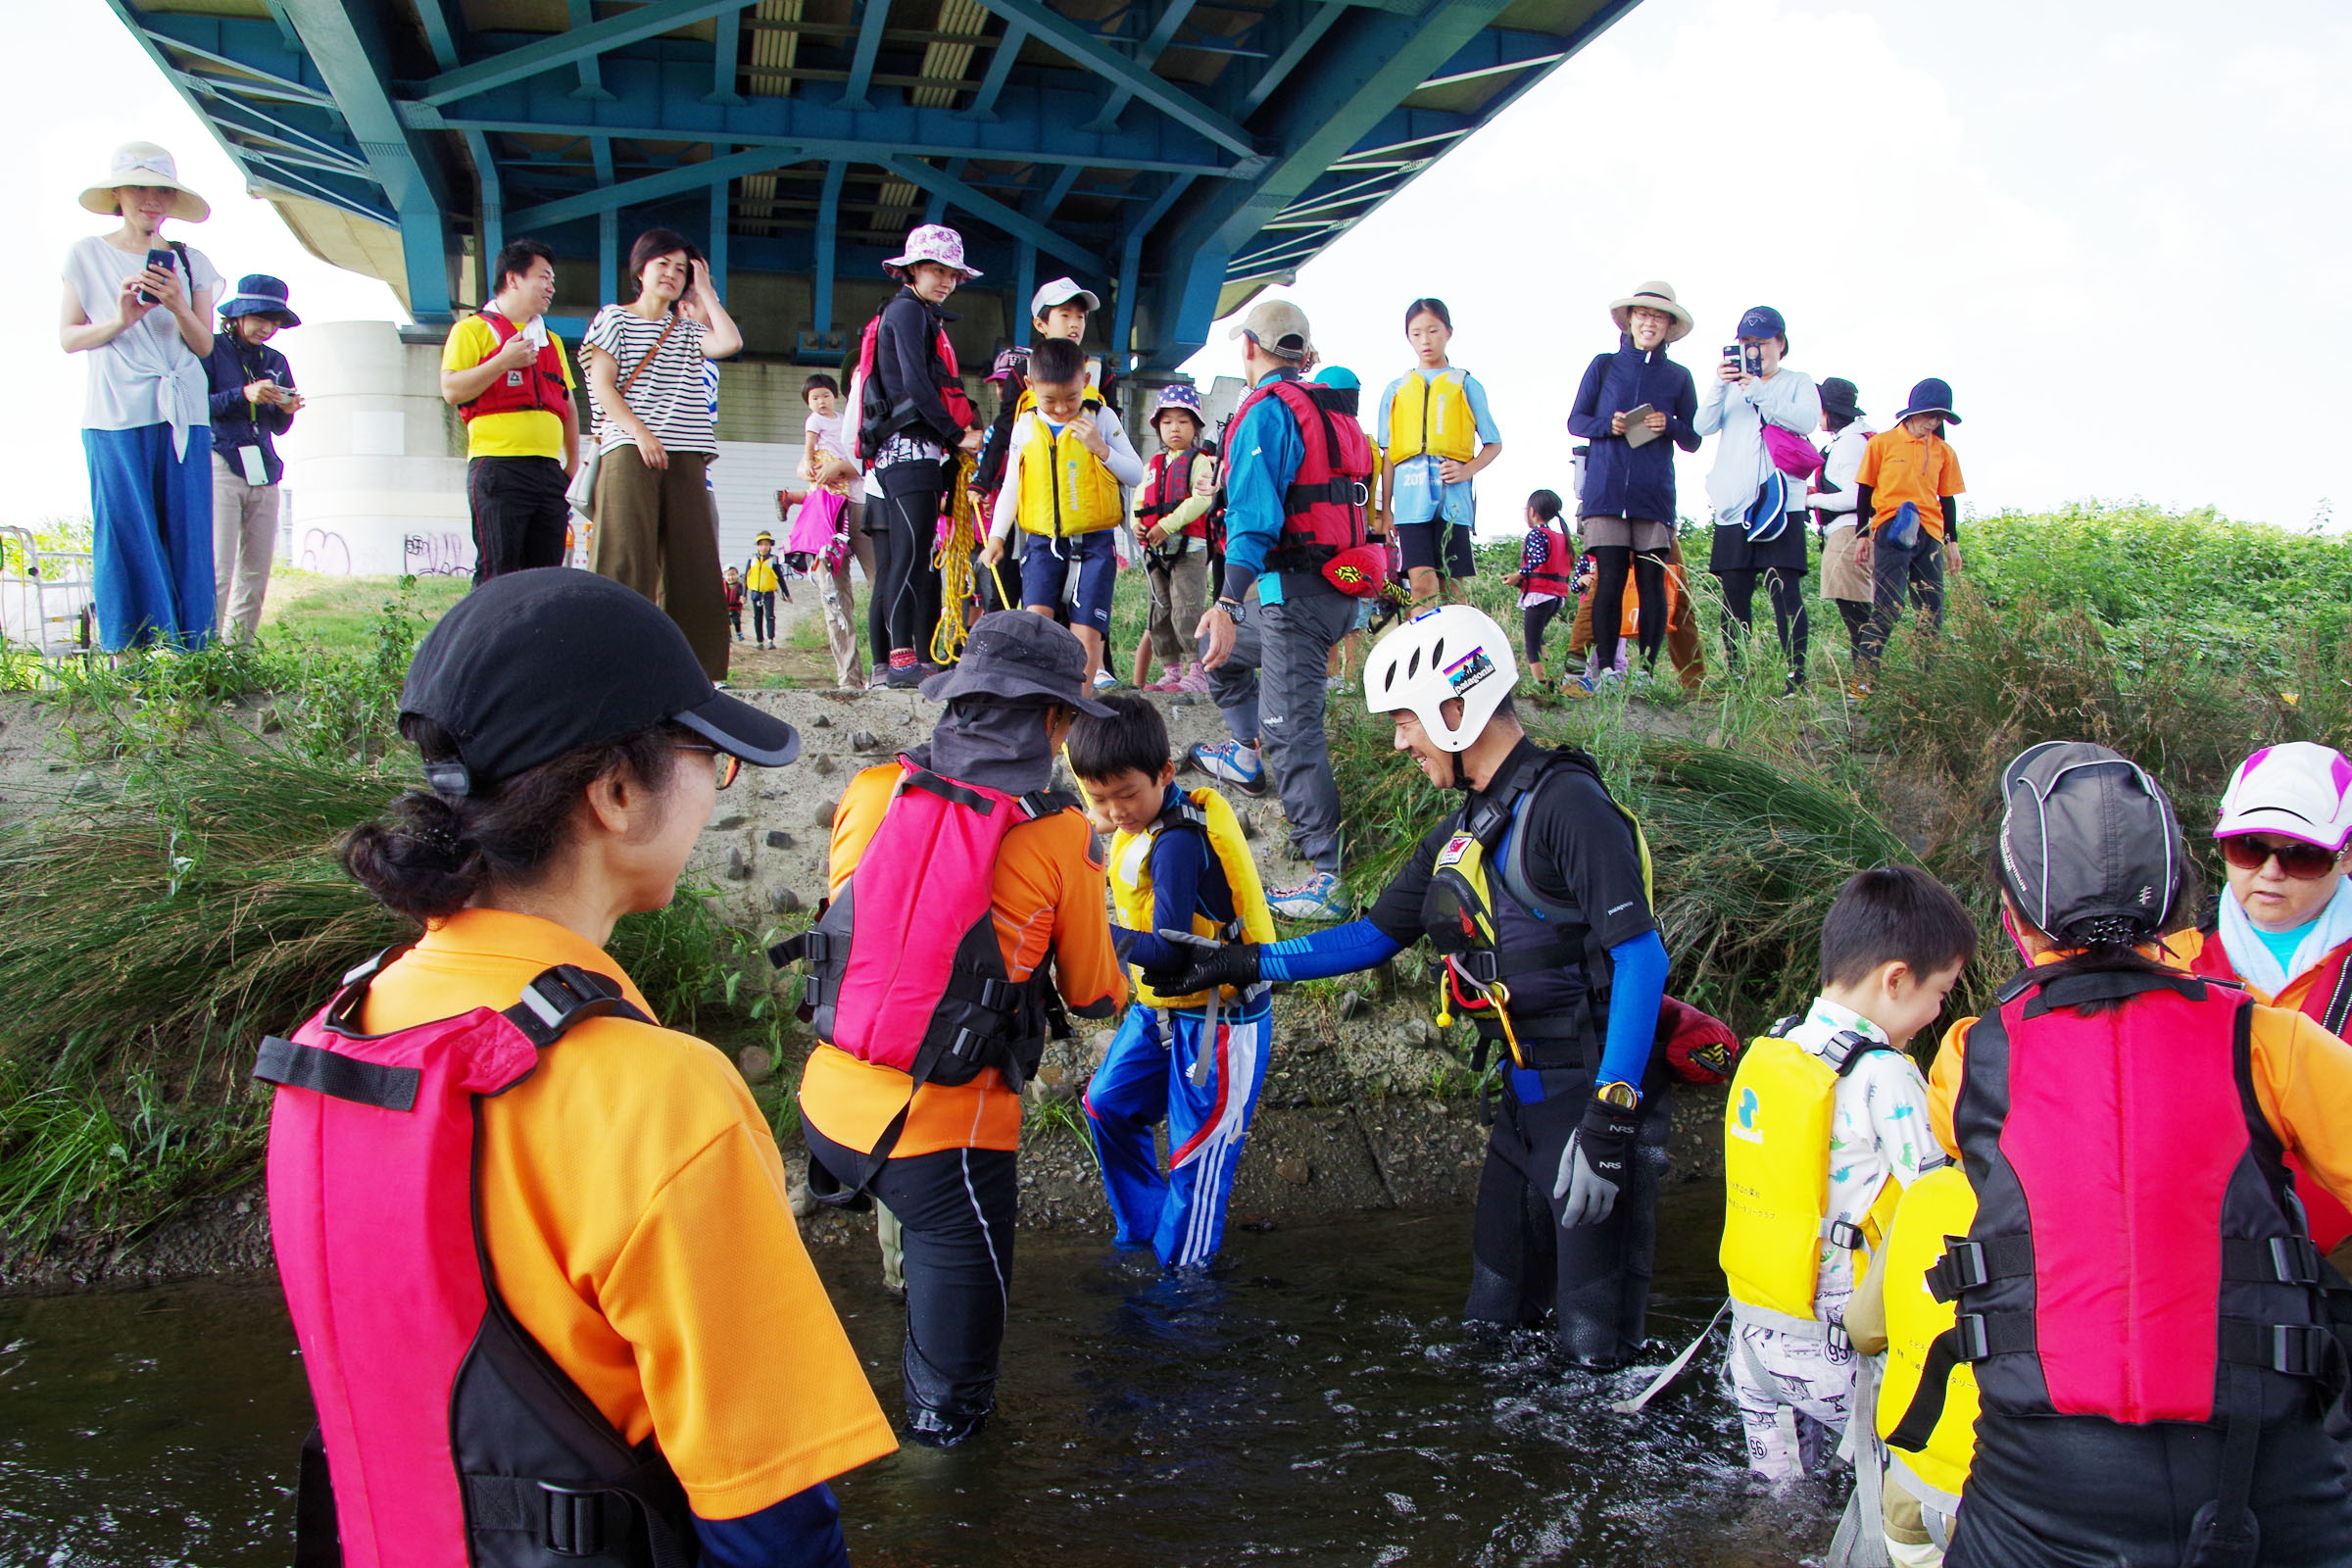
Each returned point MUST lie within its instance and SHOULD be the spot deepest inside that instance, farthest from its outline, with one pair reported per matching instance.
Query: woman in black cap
(665, 1362)
(1762, 412)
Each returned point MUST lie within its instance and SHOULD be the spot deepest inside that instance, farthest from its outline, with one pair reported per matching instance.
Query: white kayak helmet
(1448, 652)
(2298, 790)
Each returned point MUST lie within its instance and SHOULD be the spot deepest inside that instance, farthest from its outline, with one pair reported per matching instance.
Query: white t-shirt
(1878, 1128)
(670, 396)
(826, 428)
(146, 376)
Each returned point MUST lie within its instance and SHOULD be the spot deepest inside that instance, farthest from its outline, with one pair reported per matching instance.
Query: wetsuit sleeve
(804, 1528)
(1951, 518)
(1585, 418)
(1944, 1085)
(2303, 1082)
(1866, 506)
(1177, 860)
(1335, 950)
(1680, 424)
(1635, 992)
(1087, 968)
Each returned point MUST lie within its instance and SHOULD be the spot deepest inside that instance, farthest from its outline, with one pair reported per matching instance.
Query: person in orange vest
(2155, 1348)
(2283, 926)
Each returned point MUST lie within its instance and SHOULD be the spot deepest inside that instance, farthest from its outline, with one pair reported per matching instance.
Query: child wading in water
(1437, 435)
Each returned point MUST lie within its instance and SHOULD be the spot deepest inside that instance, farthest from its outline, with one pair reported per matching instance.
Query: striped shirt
(670, 396)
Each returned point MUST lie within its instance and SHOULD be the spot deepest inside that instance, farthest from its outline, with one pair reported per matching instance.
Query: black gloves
(1233, 964)
(1592, 1165)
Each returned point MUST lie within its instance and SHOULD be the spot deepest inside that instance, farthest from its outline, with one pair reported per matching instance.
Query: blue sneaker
(1319, 897)
(1230, 763)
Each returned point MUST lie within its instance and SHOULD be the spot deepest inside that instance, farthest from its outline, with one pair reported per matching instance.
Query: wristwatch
(1232, 609)
(1623, 1096)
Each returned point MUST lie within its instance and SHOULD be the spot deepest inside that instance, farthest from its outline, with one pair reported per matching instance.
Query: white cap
(2296, 790)
(1061, 291)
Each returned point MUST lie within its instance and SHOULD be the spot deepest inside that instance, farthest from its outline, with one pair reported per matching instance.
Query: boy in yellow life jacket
(763, 580)
(1179, 866)
(1068, 463)
(1826, 1124)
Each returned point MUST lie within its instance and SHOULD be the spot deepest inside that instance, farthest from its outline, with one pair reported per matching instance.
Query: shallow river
(1312, 1401)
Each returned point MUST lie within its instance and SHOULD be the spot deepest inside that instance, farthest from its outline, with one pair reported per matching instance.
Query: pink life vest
(886, 986)
(450, 1437)
(2134, 1239)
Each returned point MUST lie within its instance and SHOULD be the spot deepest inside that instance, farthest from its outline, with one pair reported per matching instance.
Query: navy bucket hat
(1932, 396)
(260, 294)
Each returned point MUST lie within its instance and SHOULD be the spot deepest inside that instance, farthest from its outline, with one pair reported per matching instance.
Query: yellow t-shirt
(634, 1210)
(524, 433)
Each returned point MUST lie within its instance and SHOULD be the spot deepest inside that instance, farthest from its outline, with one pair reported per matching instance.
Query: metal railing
(47, 602)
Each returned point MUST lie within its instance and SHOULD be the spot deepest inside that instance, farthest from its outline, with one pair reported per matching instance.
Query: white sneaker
(1319, 897)
(1230, 763)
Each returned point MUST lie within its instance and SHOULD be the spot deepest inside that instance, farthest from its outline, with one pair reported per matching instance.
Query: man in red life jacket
(2283, 925)
(1266, 641)
(506, 373)
(2152, 1348)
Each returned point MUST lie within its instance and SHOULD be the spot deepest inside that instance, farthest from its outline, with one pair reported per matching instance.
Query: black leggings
(1610, 563)
(1856, 614)
(1787, 590)
(903, 606)
(763, 615)
(1532, 621)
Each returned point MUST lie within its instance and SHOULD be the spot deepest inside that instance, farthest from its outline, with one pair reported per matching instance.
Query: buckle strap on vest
(563, 995)
(1965, 1266)
(2273, 1261)
(1973, 1337)
(1486, 965)
(327, 1072)
(1845, 1234)
(2297, 1350)
(570, 1521)
(2109, 985)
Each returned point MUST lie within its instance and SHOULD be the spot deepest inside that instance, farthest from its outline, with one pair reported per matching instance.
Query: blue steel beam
(1146, 55)
(579, 14)
(491, 238)
(873, 16)
(828, 219)
(1075, 40)
(648, 21)
(726, 60)
(439, 36)
(1131, 256)
(1020, 225)
(1000, 67)
(652, 188)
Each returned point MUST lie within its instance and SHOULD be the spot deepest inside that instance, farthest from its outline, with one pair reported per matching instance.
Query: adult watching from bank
(253, 403)
(911, 413)
(505, 371)
(140, 306)
(643, 1360)
(1266, 641)
(1765, 414)
(657, 435)
(1626, 402)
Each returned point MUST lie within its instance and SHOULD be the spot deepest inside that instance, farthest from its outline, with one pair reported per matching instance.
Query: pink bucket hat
(935, 242)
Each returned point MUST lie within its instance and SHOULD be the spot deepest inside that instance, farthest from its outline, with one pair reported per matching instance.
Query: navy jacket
(1622, 481)
(907, 371)
(232, 367)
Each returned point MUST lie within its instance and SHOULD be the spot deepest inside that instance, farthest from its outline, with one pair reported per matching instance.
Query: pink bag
(819, 520)
(1790, 453)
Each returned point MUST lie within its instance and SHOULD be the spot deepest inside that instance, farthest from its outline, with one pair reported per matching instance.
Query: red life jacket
(878, 418)
(1323, 508)
(2136, 1243)
(1167, 486)
(450, 1437)
(539, 388)
(882, 983)
(1557, 575)
(2326, 1002)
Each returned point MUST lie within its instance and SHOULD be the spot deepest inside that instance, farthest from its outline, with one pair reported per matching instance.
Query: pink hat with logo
(935, 242)
(2296, 790)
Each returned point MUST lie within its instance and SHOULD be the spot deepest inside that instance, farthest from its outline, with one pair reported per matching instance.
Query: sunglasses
(2305, 862)
(727, 762)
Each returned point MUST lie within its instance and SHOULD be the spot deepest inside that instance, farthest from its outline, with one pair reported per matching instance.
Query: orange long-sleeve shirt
(1050, 899)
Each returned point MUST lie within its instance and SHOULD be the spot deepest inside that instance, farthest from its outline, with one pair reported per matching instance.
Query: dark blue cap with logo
(1762, 321)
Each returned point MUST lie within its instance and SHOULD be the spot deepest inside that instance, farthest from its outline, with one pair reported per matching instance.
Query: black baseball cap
(536, 663)
(2087, 835)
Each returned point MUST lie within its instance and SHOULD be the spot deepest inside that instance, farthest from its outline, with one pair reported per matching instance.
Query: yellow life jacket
(1431, 414)
(760, 575)
(1206, 810)
(1938, 1206)
(1066, 489)
(1776, 1172)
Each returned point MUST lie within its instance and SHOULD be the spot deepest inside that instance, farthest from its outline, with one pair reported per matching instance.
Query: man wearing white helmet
(2283, 926)
(1536, 896)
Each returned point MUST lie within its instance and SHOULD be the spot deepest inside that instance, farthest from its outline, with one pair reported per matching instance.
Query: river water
(1312, 1400)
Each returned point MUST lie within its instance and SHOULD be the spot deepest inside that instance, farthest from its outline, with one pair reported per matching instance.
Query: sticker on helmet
(1468, 671)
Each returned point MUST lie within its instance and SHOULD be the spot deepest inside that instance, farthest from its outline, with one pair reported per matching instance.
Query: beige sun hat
(1653, 296)
(1279, 327)
(143, 163)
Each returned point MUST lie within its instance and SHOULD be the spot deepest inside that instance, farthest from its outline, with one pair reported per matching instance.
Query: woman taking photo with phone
(140, 306)
(656, 433)
(1765, 414)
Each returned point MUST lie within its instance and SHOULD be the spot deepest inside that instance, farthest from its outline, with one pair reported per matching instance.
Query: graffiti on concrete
(437, 554)
(323, 551)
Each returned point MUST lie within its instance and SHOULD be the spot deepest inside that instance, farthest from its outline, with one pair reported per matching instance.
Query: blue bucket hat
(258, 294)
(1932, 396)
(1762, 321)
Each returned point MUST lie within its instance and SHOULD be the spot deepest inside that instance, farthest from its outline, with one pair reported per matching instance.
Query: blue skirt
(152, 523)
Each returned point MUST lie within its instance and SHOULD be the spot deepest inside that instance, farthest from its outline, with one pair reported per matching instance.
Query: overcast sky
(2118, 227)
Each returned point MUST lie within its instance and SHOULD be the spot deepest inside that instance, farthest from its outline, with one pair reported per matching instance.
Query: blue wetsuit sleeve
(1177, 861)
(803, 1530)
(1336, 949)
(1635, 993)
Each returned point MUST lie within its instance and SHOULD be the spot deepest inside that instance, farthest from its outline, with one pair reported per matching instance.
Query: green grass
(337, 615)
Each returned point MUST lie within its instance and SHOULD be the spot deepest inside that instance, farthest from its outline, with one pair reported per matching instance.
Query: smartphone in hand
(155, 258)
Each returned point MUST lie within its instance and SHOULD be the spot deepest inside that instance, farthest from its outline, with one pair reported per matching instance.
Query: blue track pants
(1149, 1073)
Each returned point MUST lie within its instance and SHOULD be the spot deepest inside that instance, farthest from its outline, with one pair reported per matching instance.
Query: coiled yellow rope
(953, 558)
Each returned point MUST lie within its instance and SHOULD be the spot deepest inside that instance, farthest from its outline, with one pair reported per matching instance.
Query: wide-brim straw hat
(143, 163)
(1653, 296)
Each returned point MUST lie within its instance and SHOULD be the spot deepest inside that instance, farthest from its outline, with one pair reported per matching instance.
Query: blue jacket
(1264, 452)
(1622, 481)
(232, 367)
